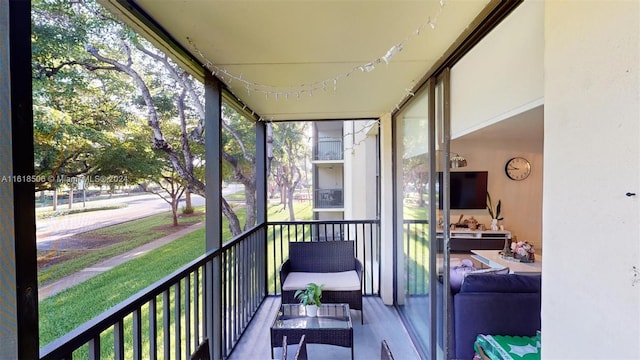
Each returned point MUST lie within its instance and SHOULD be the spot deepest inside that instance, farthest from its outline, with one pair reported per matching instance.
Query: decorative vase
(506, 250)
(494, 224)
(312, 310)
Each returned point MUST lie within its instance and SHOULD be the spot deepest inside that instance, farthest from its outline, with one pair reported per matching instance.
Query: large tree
(288, 163)
(96, 47)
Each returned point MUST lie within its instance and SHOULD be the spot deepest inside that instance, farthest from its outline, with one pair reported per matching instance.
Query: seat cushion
(332, 281)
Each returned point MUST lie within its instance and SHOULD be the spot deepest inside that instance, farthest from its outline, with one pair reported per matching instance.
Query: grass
(301, 211)
(65, 311)
(136, 232)
(47, 214)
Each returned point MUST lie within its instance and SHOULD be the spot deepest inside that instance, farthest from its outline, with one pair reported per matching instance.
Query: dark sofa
(494, 305)
(329, 263)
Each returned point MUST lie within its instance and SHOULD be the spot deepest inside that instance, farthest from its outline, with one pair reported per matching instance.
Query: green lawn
(301, 210)
(136, 232)
(65, 311)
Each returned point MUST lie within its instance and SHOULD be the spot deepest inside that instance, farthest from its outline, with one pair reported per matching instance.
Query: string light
(228, 77)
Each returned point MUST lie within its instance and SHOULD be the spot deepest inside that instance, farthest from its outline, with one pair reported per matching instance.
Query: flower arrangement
(523, 251)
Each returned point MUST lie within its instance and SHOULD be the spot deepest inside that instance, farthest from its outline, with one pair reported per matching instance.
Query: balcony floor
(380, 322)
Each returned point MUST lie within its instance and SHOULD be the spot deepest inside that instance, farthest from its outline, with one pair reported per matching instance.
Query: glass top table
(332, 326)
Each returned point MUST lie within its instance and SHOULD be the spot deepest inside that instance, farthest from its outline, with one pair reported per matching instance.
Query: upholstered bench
(329, 263)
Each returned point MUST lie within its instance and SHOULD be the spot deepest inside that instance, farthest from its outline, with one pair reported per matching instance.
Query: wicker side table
(332, 326)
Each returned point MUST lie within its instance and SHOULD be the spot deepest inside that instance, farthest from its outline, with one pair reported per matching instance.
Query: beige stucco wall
(591, 293)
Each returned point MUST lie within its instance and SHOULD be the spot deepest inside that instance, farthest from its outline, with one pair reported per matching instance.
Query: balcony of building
(328, 199)
(328, 150)
(231, 296)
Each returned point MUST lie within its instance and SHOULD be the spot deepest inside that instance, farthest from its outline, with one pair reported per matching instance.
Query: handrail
(84, 333)
(247, 278)
(375, 221)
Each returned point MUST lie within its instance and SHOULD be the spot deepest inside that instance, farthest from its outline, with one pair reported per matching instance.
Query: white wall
(502, 75)
(386, 211)
(360, 160)
(521, 200)
(330, 177)
(591, 294)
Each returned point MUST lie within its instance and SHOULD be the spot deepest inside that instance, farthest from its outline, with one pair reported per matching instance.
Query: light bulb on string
(227, 77)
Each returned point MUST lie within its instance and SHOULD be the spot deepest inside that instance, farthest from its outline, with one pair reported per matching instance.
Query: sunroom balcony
(231, 296)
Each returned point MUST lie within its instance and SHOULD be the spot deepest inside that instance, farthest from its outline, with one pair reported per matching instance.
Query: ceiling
(302, 60)
(527, 126)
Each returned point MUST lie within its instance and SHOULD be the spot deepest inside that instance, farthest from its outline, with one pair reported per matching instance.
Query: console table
(464, 240)
(492, 259)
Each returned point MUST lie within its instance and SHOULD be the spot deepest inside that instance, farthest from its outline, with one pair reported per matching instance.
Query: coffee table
(492, 259)
(332, 326)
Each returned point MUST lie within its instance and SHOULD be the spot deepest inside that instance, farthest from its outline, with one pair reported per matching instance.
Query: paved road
(51, 233)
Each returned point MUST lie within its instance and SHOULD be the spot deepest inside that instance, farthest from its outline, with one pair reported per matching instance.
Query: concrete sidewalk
(88, 273)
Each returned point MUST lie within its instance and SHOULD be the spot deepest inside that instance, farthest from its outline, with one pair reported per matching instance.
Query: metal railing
(328, 150)
(364, 233)
(175, 314)
(171, 317)
(328, 198)
(416, 252)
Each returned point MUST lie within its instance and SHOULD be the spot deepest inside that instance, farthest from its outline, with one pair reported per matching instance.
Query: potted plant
(310, 298)
(495, 216)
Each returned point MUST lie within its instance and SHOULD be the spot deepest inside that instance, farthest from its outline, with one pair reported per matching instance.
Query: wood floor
(380, 322)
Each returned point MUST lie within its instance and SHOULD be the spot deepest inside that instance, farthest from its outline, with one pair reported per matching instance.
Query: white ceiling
(527, 126)
(286, 44)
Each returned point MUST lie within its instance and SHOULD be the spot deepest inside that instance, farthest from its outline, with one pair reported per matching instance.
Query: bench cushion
(332, 281)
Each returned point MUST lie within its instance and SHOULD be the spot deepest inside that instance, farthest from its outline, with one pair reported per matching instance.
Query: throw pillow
(489, 271)
(457, 274)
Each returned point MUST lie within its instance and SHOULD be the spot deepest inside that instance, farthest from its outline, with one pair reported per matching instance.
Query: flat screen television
(468, 189)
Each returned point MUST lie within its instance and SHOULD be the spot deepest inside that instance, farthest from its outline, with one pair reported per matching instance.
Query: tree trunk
(55, 199)
(292, 215)
(250, 201)
(187, 199)
(70, 196)
(174, 210)
(283, 195)
(234, 223)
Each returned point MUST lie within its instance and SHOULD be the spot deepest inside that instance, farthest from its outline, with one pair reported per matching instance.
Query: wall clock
(517, 168)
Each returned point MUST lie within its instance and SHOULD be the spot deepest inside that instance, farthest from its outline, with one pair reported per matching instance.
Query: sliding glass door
(421, 144)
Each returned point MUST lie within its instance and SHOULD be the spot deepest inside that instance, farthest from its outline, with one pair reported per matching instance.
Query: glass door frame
(437, 137)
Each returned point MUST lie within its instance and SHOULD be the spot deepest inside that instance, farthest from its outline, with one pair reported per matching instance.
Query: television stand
(464, 240)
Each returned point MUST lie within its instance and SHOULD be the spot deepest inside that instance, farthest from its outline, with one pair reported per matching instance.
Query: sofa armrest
(515, 314)
(359, 269)
(285, 269)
